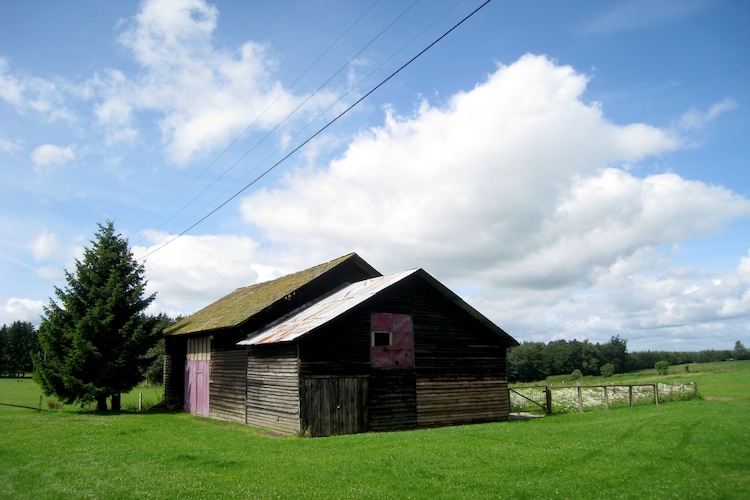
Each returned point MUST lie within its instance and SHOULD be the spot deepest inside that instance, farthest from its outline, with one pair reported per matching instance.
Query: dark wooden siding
(334, 405)
(273, 388)
(228, 389)
(393, 400)
(175, 350)
(461, 400)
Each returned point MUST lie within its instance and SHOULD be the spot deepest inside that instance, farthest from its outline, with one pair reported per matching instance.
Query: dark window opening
(380, 339)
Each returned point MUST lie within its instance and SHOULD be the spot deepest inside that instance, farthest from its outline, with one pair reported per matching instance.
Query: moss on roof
(242, 304)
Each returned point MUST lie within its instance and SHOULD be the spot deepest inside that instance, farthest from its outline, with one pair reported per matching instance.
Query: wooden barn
(369, 353)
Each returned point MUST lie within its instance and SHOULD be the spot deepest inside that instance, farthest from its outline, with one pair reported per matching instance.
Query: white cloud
(194, 267)
(511, 194)
(45, 245)
(695, 119)
(49, 155)
(513, 188)
(204, 96)
(486, 179)
(7, 146)
(192, 271)
(16, 309)
(33, 94)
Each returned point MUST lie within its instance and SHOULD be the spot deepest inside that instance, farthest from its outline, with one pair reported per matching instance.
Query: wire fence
(549, 399)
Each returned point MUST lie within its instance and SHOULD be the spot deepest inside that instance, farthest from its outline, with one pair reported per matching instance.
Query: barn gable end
(453, 373)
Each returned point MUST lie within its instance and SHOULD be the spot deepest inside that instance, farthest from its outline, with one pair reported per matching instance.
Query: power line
(322, 129)
(261, 115)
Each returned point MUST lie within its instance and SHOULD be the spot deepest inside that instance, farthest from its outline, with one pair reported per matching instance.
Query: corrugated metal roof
(344, 300)
(327, 309)
(243, 303)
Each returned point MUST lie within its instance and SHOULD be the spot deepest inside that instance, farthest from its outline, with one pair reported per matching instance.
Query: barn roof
(353, 295)
(244, 303)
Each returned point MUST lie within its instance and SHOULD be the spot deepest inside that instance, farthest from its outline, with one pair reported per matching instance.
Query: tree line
(534, 361)
(19, 344)
(18, 341)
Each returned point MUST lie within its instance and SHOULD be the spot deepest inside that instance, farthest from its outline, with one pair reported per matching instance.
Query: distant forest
(529, 362)
(533, 361)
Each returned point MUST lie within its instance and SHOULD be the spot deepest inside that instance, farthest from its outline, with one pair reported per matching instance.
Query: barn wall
(273, 388)
(228, 387)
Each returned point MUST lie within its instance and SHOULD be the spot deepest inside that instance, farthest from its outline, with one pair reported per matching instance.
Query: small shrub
(53, 404)
(607, 370)
(662, 367)
(576, 374)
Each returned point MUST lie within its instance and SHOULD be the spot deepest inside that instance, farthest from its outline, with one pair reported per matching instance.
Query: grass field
(692, 449)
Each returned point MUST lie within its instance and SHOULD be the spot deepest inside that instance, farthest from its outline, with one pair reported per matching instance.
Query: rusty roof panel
(327, 309)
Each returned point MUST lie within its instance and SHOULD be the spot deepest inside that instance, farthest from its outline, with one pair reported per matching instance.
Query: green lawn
(692, 449)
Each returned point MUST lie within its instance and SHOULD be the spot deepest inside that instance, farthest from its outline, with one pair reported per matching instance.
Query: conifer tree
(95, 339)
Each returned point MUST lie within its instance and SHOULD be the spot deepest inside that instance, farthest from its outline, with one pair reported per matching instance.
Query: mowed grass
(692, 449)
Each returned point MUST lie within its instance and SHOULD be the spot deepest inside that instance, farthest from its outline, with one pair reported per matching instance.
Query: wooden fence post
(548, 400)
(580, 398)
(140, 401)
(40, 403)
(630, 395)
(656, 393)
(606, 398)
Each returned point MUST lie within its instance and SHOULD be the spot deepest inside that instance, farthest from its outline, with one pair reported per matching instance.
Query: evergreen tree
(17, 343)
(95, 340)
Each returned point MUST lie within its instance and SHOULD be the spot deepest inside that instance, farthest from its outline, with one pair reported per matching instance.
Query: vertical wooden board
(196, 387)
(334, 405)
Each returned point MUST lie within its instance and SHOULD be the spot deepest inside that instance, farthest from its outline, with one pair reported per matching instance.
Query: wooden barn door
(334, 405)
(197, 369)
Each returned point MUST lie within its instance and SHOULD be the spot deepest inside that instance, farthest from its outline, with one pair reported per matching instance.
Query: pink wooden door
(197, 367)
(196, 390)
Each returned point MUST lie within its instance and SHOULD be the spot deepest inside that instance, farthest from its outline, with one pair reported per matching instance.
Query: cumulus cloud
(49, 155)
(44, 98)
(517, 188)
(489, 178)
(16, 309)
(205, 95)
(192, 268)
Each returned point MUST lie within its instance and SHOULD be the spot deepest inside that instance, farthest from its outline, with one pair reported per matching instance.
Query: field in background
(711, 380)
(691, 449)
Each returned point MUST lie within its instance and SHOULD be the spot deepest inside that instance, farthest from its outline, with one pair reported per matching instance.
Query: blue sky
(573, 170)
